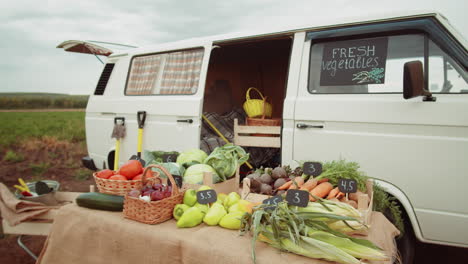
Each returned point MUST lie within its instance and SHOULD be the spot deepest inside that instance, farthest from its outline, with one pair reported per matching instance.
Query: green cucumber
(100, 201)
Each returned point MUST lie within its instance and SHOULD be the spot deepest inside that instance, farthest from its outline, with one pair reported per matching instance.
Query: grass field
(41, 101)
(18, 126)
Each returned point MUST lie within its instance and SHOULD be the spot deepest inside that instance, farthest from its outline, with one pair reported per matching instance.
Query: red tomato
(149, 174)
(131, 169)
(105, 174)
(118, 177)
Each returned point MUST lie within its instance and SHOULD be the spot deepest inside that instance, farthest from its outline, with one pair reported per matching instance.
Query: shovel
(141, 117)
(118, 133)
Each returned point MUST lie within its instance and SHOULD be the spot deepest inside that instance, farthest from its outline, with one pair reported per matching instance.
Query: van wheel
(407, 242)
(110, 160)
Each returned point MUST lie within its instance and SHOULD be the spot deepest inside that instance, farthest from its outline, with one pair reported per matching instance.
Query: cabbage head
(194, 174)
(191, 155)
(226, 159)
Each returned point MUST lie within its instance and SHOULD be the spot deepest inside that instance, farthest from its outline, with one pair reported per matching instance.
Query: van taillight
(102, 83)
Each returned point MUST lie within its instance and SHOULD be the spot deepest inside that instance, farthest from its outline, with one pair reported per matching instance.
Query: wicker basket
(256, 107)
(118, 187)
(153, 212)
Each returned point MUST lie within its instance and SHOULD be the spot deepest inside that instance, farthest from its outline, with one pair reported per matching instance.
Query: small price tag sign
(347, 185)
(297, 197)
(312, 168)
(273, 201)
(206, 196)
(178, 179)
(169, 157)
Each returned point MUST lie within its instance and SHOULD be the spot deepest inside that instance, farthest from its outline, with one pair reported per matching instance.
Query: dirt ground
(44, 159)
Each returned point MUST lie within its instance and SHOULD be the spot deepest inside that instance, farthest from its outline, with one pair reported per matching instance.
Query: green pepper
(190, 197)
(232, 220)
(203, 207)
(192, 217)
(214, 214)
(179, 210)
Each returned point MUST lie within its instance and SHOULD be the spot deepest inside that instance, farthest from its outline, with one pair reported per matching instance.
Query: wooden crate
(242, 136)
(365, 201)
(231, 185)
(40, 225)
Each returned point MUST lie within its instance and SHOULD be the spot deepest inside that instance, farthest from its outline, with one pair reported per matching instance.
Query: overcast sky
(30, 30)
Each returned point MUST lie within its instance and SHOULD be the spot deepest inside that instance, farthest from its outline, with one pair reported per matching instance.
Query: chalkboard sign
(297, 197)
(347, 185)
(178, 179)
(312, 168)
(273, 201)
(206, 196)
(354, 62)
(169, 157)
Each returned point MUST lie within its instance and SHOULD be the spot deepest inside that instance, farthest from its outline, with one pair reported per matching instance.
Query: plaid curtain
(144, 71)
(182, 72)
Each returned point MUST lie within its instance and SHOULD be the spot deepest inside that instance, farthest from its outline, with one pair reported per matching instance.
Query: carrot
(340, 195)
(321, 190)
(299, 181)
(285, 186)
(292, 187)
(309, 185)
(323, 180)
(333, 193)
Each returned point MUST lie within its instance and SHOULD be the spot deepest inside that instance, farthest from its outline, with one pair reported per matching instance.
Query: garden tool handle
(119, 118)
(141, 117)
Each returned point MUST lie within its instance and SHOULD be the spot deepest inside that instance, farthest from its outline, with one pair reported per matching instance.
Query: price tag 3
(178, 179)
(169, 157)
(312, 168)
(273, 201)
(206, 196)
(297, 197)
(347, 185)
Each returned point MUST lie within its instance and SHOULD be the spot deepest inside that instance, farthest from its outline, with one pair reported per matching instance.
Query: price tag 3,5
(178, 179)
(347, 185)
(273, 201)
(312, 168)
(297, 197)
(206, 196)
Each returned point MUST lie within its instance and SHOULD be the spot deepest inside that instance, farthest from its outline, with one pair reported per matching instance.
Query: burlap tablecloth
(81, 235)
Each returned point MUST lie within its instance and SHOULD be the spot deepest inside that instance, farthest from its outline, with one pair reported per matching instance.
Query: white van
(351, 90)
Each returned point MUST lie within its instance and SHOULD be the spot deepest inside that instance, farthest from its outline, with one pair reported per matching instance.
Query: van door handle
(304, 126)
(190, 121)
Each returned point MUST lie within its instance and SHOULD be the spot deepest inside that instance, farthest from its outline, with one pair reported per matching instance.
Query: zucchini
(100, 201)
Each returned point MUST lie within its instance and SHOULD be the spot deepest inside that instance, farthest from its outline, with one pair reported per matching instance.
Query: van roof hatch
(97, 48)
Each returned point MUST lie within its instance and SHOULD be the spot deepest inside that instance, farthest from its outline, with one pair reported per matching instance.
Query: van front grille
(102, 83)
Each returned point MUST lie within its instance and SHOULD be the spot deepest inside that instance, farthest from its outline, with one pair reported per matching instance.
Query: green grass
(41, 101)
(18, 126)
(39, 168)
(13, 157)
(82, 174)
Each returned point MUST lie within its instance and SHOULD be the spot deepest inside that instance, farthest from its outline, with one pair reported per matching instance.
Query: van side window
(165, 73)
(445, 75)
(361, 66)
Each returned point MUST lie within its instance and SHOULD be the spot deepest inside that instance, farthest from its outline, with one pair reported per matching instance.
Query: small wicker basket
(118, 187)
(153, 212)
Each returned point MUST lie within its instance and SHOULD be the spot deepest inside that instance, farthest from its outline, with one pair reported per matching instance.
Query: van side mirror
(413, 81)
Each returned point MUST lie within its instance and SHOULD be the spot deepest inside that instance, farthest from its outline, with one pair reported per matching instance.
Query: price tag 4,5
(206, 196)
(347, 185)
(297, 197)
(273, 201)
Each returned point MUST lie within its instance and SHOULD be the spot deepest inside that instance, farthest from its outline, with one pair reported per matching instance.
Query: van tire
(110, 160)
(406, 243)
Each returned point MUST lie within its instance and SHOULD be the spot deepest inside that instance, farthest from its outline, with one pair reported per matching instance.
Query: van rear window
(165, 73)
